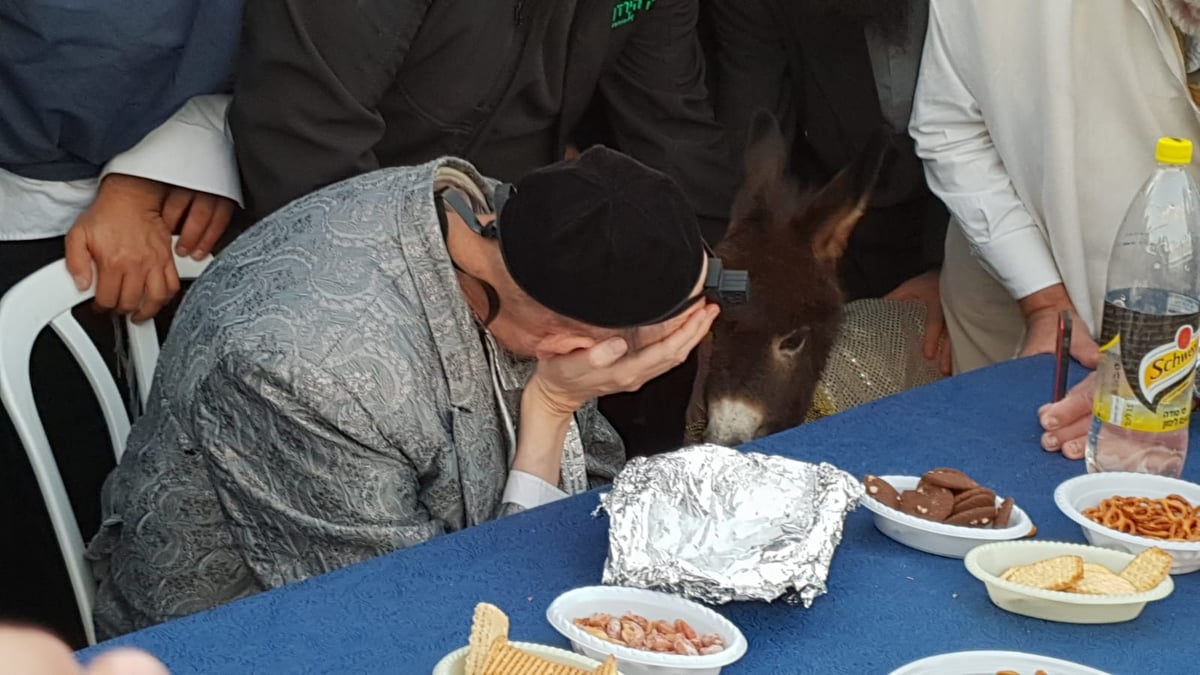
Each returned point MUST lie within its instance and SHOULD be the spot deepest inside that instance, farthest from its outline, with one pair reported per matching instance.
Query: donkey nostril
(733, 421)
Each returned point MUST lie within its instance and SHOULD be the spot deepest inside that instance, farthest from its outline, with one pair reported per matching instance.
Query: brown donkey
(760, 366)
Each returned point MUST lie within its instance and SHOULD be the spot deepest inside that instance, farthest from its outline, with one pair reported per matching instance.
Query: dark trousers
(34, 587)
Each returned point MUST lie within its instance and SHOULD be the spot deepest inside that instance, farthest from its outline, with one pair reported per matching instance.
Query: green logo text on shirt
(625, 11)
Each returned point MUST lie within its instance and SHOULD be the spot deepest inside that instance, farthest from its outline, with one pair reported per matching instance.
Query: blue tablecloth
(887, 604)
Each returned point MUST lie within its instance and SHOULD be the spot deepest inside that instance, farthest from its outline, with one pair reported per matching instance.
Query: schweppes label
(1157, 351)
(1166, 366)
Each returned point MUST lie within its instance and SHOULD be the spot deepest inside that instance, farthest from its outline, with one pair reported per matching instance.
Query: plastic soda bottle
(1148, 335)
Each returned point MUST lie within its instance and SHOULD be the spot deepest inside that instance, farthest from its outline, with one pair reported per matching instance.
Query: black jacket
(327, 90)
(814, 73)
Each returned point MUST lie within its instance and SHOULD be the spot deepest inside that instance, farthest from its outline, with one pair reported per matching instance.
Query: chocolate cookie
(980, 517)
(936, 506)
(1004, 512)
(984, 497)
(882, 491)
(967, 494)
(951, 479)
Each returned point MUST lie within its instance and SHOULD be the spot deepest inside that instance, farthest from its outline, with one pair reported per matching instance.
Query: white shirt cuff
(528, 491)
(1021, 261)
(193, 149)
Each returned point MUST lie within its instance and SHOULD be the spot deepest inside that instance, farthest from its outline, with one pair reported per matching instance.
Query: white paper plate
(950, 541)
(1088, 490)
(454, 662)
(990, 662)
(618, 600)
(988, 562)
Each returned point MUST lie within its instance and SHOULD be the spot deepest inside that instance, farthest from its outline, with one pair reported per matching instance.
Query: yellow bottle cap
(1173, 150)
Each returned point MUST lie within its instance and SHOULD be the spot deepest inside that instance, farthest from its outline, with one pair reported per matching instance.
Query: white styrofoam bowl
(455, 662)
(951, 541)
(1083, 492)
(653, 605)
(989, 561)
(989, 662)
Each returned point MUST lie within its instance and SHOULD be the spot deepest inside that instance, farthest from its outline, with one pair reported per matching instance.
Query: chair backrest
(47, 297)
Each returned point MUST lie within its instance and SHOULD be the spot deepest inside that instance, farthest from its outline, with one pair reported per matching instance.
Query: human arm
(31, 650)
(125, 233)
(577, 371)
(1065, 423)
(192, 153)
(303, 472)
(659, 110)
(925, 288)
(965, 171)
(310, 77)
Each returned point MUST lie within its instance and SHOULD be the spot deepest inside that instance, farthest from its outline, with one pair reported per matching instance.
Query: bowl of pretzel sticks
(1135, 511)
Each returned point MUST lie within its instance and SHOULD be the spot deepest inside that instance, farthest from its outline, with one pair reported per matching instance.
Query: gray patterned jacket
(324, 397)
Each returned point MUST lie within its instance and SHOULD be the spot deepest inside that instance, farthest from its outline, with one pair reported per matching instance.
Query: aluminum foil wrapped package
(714, 524)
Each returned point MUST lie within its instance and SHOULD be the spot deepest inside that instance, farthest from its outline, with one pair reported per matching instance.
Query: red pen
(1062, 356)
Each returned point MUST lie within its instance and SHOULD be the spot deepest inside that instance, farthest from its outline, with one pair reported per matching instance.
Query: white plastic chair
(47, 297)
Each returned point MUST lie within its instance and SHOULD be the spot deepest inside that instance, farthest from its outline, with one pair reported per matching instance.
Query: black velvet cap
(603, 239)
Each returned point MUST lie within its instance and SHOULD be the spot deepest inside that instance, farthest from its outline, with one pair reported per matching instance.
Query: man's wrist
(1051, 298)
(537, 400)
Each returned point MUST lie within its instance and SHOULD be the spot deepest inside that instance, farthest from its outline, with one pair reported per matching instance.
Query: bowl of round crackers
(1135, 511)
(943, 512)
(1070, 583)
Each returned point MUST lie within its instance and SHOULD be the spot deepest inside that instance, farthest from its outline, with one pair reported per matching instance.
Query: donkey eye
(791, 343)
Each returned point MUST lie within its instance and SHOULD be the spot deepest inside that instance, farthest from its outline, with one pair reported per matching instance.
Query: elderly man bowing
(399, 355)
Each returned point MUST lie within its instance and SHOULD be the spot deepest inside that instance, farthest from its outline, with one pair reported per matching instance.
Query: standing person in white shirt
(110, 140)
(1037, 122)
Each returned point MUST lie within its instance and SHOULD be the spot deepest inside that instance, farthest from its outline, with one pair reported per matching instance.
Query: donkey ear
(765, 159)
(766, 150)
(839, 205)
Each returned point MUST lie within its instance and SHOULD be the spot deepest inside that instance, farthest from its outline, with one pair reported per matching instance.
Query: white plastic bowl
(988, 562)
(951, 541)
(1088, 490)
(653, 605)
(455, 662)
(987, 662)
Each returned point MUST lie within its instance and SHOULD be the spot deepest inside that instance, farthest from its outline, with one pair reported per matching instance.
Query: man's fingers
(109, 280)
(133, 289)
(934, 327)
(678, 345)
(1085, 350)
(175, 206)
(79, 260)
(608, 352)
(222, 212)
(171, 275)
(1078, 428)
(126, 661)
(154, 296)
(31, 651)
(198, 217)
(946, 362)
(672, 350)
(1076, 405)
